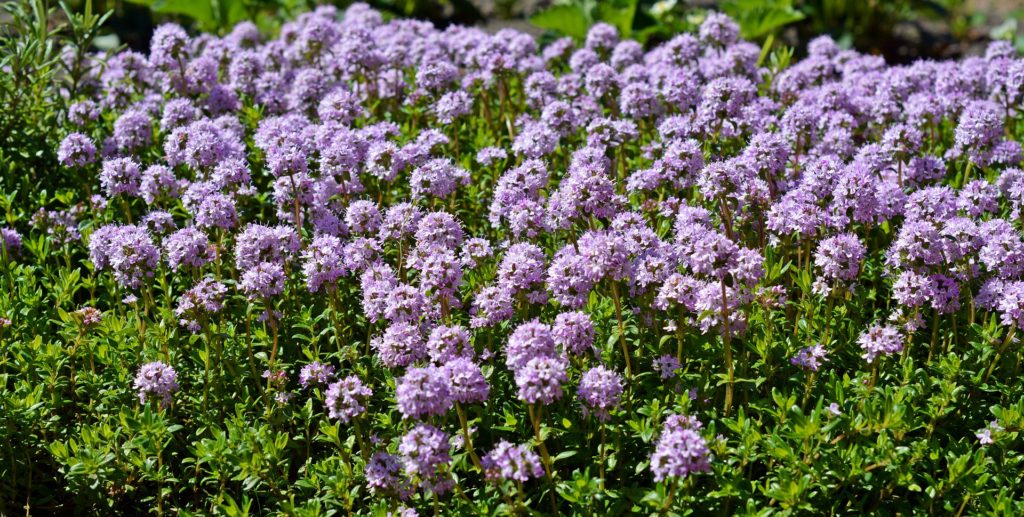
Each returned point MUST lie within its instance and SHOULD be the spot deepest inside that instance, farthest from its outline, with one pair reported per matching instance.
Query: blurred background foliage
(900, 30)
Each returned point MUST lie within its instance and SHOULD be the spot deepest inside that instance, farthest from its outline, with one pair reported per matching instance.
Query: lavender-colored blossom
(511, 462)
(424, 449)
(529, 340)
(159, 184)
(127, 250)
(384, 475)
(809, 358)
(156, 380)
(323, 262)
(540, 380)
(120, 176)
(189, 247)
(264, 281)
(466, 382)
(574, 333)
(438, 177)
(680, 450)
(474, 251)
(666, 365)
(200, 302)
(880, 341)
(76, 150)
(257, 243)
(447, 343)
(491, 305)
(401, 345)
(600, 391)
(315, 374)
(839, 257)
(346, 398)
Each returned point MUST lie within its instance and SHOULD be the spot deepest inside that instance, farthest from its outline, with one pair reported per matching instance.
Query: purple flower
(383, 475)
(132, 130)
(76, 150)
(10, 240)
(522, 267)
(156, 379)
(345, 399)
(492, 305)
(323, 262)
(466, 381)
(438, 177)
(809, 358)
(529, 340)
(216, 210)
(120, 176)
(439, 229)
(453, 105)
(424, 450)
(880, 341)
(263, 281)
(839, 258)
(667, 365)
(400, 221)
(91, 316)
(424, 392)
(600, 391)
(316, 374)
(540, 380)
(159, 184)
(401, 345)
(187, 247)
(511, 462)
(574, 333)
(128, 250)
(200, 302)
(405, 304)
(719, 30)
(680, 450)
(448, 343)
(490, 156)
(258, 243)
(474, 251)
(363, 217)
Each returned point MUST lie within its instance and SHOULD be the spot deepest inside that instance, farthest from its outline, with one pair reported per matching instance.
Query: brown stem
(535, 415)
(468, 439)
(727, 340)
(622, 328)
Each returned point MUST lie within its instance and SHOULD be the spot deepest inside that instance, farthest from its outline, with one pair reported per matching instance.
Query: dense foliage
(372, 266)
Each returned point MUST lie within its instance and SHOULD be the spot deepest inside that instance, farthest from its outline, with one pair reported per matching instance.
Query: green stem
(622, 328)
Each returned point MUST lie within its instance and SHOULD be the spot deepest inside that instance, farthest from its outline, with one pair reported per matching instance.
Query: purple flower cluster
(345, 399)
(680, 450)
(511, 462)
(156, 380)
(600, 391)
(880, 341)
(127, 250)
(197, 304)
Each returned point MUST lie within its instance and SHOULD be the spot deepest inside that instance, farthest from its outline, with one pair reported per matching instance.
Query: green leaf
(619, 13)
(565, 19)
(758, 18)
(201, 12)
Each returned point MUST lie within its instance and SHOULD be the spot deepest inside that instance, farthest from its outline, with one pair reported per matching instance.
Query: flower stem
(727, 340)
(535, 415)
(468, 439)
(622, 328)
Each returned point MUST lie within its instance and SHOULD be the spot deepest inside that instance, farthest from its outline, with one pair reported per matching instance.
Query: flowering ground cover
(372, 266)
